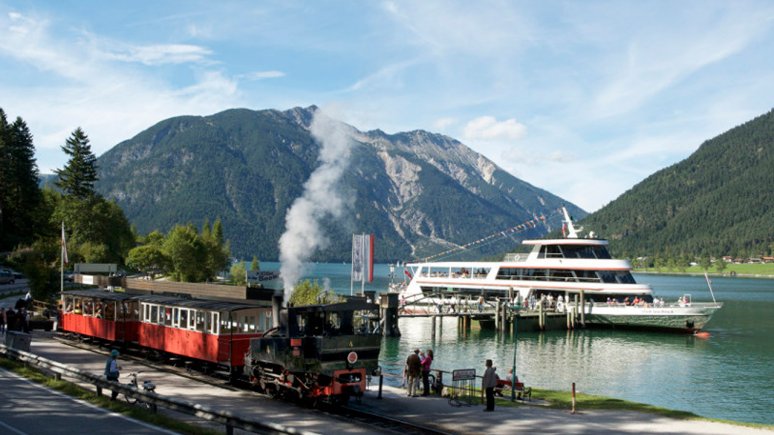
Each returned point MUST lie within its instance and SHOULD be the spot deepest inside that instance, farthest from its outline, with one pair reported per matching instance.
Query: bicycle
(147, 387)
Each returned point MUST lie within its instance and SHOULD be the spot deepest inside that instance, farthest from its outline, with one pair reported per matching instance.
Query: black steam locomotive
(319, 352)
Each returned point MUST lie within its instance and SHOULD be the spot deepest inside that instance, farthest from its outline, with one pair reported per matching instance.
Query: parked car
(6, 277)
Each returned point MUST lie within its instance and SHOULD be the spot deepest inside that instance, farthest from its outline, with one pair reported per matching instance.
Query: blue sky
(582, 98)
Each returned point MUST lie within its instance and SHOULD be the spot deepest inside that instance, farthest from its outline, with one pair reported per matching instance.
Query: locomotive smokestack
(276, 306)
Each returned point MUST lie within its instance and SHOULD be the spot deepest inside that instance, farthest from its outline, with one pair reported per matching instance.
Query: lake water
(728, 376)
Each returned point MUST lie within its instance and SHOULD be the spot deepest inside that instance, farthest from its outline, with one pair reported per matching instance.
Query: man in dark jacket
(489, 383)
(112, 370)
(414, 368)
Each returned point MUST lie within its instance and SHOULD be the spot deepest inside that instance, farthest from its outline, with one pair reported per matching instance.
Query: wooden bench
(523, 392)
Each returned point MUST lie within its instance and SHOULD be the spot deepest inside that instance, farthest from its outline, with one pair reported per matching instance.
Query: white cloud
(160, 54)
(85, 81)
(444, 123)
(488, 128)
(261, 75)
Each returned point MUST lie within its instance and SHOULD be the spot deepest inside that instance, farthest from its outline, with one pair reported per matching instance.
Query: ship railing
(515, 257)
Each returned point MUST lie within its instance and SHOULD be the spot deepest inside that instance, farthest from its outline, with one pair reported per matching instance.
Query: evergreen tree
(79, 175)
(238, 273)
(20, 197)
(187, 254)
(255, 266)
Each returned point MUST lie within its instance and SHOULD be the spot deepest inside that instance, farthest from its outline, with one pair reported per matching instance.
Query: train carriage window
(183, 319)
(214, 323)
(154, 313)
(134, 310)
(167, 316)
(110, 311)
(175, 317)
(227, 324)
(68, 305)
(192, 320)
(248, 324)
(145, 313)
(200, 316)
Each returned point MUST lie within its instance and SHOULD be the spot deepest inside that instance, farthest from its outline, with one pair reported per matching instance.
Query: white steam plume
(321, 198)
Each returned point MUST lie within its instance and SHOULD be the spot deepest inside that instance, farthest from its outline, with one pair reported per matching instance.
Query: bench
(523, 392)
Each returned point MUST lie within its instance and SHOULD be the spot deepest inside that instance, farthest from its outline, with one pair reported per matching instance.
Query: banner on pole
(362, 257)
(357, 257)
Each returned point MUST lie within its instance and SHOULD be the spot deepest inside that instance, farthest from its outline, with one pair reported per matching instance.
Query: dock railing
(231, 421)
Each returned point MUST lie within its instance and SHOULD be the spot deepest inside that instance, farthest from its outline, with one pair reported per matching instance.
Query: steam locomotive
(318, 352)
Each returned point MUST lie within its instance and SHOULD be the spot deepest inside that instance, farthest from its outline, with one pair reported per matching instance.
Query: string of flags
(524, 226)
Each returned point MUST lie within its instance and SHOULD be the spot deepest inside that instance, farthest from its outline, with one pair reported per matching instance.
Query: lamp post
(516, 309)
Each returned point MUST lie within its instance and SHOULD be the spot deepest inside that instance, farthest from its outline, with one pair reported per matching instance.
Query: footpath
(531, 417)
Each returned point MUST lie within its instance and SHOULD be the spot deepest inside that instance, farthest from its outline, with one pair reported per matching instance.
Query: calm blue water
(729, 376)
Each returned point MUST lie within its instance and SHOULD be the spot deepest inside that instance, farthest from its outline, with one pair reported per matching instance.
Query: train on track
(317, 352)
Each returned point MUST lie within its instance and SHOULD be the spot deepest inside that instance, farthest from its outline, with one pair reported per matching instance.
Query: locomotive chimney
(276, 307)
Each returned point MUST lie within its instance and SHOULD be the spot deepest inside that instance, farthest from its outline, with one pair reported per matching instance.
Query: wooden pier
(500, 315)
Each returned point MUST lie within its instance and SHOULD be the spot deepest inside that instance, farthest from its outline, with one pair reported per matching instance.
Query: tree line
(33, 220)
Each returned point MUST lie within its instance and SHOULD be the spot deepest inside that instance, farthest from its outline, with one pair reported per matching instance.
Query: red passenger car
(105, 315)
(217, 332)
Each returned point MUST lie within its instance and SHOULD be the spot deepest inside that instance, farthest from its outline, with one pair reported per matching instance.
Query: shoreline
(712, 275)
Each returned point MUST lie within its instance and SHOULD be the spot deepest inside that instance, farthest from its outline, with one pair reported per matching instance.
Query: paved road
(29, 408)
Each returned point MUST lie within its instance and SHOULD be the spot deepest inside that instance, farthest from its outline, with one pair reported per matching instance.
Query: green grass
(766, 269)
(563, 400)
(120, 407)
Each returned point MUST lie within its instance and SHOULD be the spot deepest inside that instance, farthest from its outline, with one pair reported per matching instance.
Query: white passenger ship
(554, 274)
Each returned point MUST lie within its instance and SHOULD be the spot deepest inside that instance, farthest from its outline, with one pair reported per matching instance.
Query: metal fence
(231, 421)
(463, 388)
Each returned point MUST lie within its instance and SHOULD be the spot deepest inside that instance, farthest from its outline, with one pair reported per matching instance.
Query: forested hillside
(718, 201)
(419, 193)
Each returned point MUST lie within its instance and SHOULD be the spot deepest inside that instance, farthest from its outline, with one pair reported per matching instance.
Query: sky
(582, 98)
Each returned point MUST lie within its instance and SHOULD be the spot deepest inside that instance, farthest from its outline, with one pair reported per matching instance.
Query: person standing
(112, 371)
(414, 365)
(489, 383)
(426, 362)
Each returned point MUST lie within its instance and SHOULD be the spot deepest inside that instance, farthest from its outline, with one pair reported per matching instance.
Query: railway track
(347, 412)
(384, 422)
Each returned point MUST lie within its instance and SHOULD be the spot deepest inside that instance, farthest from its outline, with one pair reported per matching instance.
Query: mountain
(718, 201)
(420, 193)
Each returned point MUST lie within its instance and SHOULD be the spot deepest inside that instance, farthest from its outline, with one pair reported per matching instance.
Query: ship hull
(690, 318)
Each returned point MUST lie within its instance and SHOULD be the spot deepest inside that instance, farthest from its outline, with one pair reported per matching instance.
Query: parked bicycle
(147, 387)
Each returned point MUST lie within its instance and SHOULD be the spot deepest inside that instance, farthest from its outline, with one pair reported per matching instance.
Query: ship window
(625, 278)
(508, 273)
(607, 276)
(561, 275)
(595, 252)
(550, 251)
(587, 276)
(534, 274)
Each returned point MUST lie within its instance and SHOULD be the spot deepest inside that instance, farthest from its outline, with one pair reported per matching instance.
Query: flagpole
(352, 273)
(61, 264)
